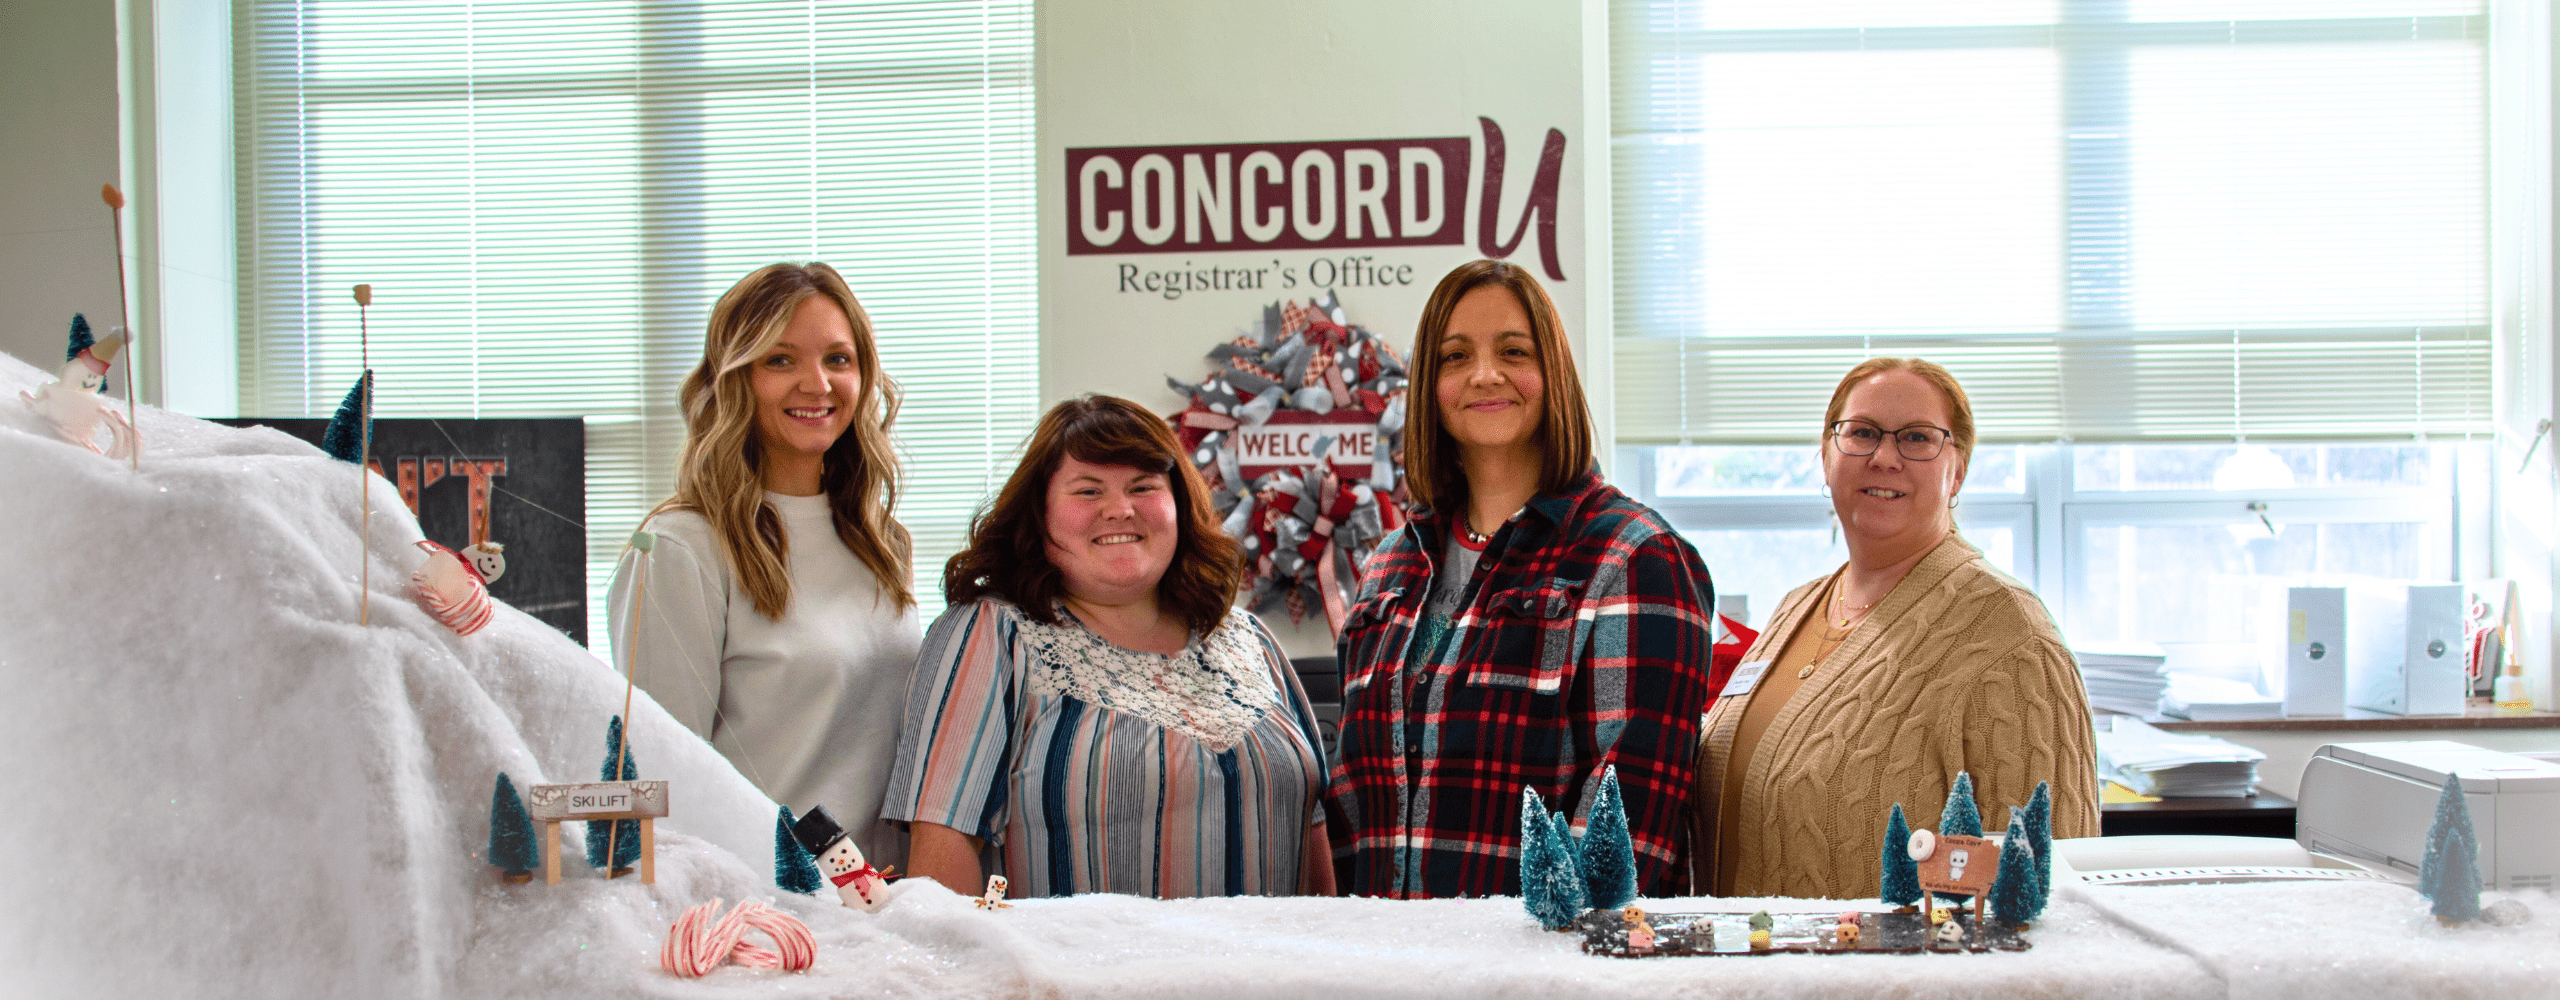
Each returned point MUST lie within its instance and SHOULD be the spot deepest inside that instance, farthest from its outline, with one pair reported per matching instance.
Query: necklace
(1856, 612)
(1835, 631)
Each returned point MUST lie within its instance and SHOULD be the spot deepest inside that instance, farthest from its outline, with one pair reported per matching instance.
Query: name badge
(1745, 677)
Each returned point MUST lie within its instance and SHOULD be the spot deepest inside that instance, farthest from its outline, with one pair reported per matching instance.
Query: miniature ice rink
(220, 785)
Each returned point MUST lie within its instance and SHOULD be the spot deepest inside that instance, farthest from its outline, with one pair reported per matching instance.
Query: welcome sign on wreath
(1297, 431)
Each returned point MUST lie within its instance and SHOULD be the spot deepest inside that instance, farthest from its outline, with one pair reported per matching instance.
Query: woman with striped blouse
(1090, 714)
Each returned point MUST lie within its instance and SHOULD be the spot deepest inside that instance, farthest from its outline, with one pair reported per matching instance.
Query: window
(2116, 220)
(2214, 273)
(548, 196)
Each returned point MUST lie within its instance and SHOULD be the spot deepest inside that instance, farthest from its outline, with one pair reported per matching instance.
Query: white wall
(1176, 72)
(57, 145)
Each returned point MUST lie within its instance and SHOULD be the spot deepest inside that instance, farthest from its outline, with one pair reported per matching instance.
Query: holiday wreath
(1298, 429)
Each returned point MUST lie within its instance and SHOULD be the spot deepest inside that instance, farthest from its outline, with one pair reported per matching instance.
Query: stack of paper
(2123, 677)
(2206, 698)
(2175, 765)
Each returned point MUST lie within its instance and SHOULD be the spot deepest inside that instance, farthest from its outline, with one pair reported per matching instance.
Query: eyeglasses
(1916, 442)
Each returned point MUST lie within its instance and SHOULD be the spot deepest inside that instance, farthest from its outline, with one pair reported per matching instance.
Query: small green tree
(2449, 876)
(621, 837)
(1608, 851)
(2039, 823)
(1901, 882)
(1550, 888)
(2014, 896)
(511, 837)
(344, 437)
(793, 869)
(1960, 818)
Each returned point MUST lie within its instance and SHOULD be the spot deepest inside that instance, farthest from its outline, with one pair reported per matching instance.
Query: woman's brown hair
(1008, 553)
(1432, 473)
(721, 476)
(1959, 408)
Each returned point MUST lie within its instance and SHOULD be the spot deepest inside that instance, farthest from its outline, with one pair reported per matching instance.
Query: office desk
(2266, 814)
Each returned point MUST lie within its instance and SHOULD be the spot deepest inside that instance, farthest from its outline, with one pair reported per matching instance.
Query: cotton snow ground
(219, 785)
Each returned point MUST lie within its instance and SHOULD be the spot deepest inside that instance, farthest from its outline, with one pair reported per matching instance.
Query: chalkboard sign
(519, 482)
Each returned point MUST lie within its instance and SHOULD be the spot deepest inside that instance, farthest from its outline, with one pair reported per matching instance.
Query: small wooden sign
(645, 801)
(1961, 866)
(598, 800)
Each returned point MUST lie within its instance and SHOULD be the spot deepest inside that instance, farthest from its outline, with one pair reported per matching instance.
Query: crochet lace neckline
(1215, 691)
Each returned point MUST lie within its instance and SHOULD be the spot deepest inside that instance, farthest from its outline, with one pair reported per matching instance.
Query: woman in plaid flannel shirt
(1531, 627)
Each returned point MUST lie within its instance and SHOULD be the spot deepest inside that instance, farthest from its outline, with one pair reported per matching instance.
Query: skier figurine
(73, 405)
(452, 590)
(857, 883)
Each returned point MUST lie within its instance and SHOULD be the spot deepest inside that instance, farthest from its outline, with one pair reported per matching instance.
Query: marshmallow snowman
(487, 559)
(857, 883)
(72, 403)
(994, 898)
(451, 590)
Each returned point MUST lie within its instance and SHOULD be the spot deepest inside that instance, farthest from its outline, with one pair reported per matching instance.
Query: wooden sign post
(1961, 866)
(599, 801)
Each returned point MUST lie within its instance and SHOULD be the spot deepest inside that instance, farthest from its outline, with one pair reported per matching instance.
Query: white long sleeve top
(808, 707)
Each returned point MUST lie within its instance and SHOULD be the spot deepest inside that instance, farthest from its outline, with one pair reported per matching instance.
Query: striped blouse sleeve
(954, 751)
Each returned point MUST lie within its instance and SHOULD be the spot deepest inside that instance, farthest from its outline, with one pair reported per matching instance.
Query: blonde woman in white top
(779, 622)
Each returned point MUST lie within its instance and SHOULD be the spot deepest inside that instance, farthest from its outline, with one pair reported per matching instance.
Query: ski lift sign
(645, 801)
(1289, 440)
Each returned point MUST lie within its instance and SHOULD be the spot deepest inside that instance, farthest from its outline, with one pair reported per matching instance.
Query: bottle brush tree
(511, 839)
(2450, 874)
(1960, 818)
(621, 837)
(1608, 851)
(793, 869)
(2015, 898)
(1901, 882)
(2039, 825)
(1551, 885)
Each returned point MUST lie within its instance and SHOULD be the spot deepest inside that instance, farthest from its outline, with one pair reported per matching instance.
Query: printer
(2375, 802)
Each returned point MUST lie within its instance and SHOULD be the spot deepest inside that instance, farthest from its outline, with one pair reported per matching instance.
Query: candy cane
(697, 944)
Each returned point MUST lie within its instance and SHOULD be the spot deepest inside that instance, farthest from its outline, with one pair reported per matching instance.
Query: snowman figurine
(994, 897)
(857, 883)
(452, 589)
(489, 559)
(73, 405)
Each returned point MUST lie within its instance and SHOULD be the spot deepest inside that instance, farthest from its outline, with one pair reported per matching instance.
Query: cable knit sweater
(1958, 669)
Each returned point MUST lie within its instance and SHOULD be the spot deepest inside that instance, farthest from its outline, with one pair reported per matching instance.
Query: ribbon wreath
(1305, 530)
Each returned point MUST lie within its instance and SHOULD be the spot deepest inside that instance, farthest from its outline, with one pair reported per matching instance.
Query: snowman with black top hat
(857, 883)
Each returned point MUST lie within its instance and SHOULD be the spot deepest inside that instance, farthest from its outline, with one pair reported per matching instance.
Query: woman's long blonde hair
(722, 474)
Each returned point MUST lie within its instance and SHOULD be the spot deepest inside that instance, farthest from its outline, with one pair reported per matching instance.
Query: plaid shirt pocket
(1527, 638)
(1373, 634)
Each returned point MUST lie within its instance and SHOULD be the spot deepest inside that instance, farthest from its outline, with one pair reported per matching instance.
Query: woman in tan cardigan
(1878, 682)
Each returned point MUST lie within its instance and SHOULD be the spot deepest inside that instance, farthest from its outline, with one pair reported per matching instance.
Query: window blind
(2114, 220)
(548, 197)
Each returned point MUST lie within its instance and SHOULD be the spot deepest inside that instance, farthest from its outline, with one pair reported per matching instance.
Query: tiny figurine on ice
(1949, 935)
(73, 405)
(1845, 933)
(994, 897)
(1639, 931)
(1761, 924)
(452, 589)
(857, 883)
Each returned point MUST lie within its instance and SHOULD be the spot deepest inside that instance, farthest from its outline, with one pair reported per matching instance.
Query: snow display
(219, 785)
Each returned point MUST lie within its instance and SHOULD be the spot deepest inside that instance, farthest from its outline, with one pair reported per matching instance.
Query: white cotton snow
(218, 784)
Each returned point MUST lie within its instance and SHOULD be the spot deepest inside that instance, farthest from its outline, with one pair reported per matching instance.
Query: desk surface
(2478, 714)
(2254, 940)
